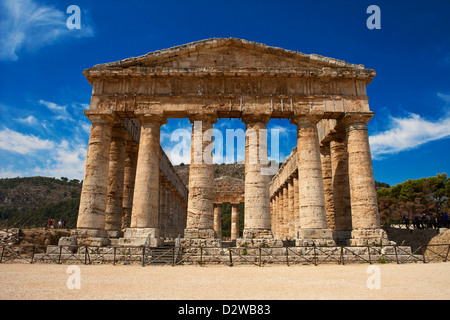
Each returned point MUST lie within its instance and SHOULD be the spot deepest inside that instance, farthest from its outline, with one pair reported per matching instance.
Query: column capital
(98, 116)
(254, 118)
(305, 119)
(202, 116)
(154, 116)
(352, 118)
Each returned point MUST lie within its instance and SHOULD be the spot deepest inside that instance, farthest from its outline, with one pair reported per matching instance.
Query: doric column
(296, 204)
(91, 214)
(163, 207)
(280, 216)
(114, 199)
(313, 222)
(328, 184)
(290, 219)
(365, 216)
(234, 221)
(131, 153)
(273, 213)
(341, 188)
(285, 227)
(144, 219)
(218, 220)
(200, 215)
(257, 207)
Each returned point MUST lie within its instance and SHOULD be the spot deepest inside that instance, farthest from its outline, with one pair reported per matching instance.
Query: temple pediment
(228, 55)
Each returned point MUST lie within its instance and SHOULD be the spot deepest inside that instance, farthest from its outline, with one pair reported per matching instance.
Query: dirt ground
(357, 282)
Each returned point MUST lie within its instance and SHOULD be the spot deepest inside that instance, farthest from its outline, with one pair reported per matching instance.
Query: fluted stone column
(162, 207)
(290, 220)
(313, 224)
(365, 215)
(296, 205)
(131, 153)
(341, 188)
(234, 221)
(327, 175)
(91, 214)
(218, 220)
(144, 219)
(200, 212)
(114, 199)
(280, 217)
(273, 214)
(285, 216)
(257, 208)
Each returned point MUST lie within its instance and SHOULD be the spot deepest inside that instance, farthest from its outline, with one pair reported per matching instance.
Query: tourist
(406, 220)
(445, 220)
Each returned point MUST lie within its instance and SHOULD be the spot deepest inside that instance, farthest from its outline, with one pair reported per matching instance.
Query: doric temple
(323, 194)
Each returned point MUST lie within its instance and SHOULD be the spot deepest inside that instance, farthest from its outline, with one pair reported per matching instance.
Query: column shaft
(91, 213)
(114, 200)
(131, 153)
(234, 221)
(257, 223)
(200, 215)
(365, 216)
(313, 222)
(146, 192)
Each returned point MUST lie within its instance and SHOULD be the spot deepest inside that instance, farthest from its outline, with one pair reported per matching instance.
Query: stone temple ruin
(323, 194)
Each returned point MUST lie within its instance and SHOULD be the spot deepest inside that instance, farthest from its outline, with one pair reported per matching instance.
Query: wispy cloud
(60, 111)
(30, 120)
(29, 25)
(408, 133)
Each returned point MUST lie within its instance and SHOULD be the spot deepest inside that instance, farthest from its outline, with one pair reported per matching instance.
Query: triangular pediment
(227, 53)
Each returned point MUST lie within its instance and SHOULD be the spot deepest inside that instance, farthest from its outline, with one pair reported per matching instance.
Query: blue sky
(43, 92)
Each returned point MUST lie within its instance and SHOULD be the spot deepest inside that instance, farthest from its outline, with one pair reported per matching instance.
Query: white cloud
(30, 120)
(408, 133)
(21, 143)
(67, 160)
(60, 111)
(28, 25)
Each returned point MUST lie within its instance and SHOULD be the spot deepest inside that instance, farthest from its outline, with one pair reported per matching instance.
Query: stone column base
(199, 234)
(197, 243)
(115, 234)
(318, 237)
(91, 237)
(369, 238)
(259, 243)
(138, 237)
(257, 234)
(342, 237)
